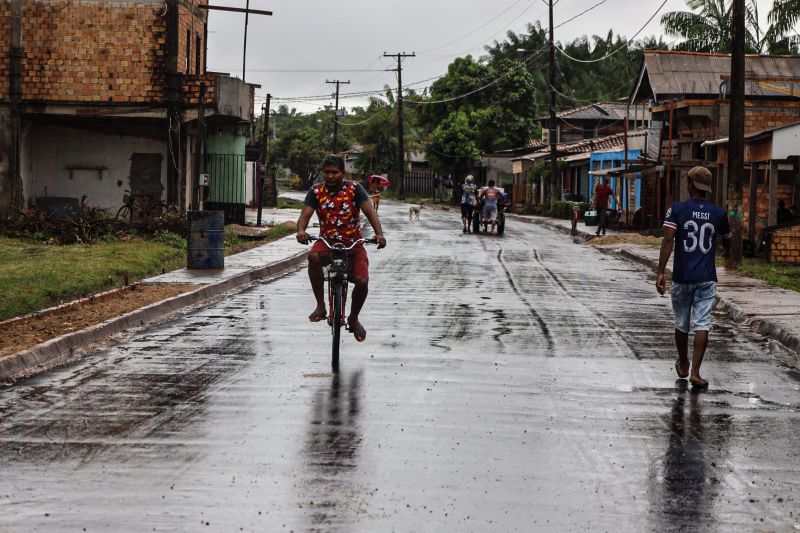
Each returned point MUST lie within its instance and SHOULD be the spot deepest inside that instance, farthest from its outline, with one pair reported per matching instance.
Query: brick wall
(191, 89)
(5, 43)
(758, 118)
(191, 25)
(785, 193)
(91, 51)
(786, 245)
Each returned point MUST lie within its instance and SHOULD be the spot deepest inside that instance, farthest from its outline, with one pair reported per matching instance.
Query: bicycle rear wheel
(337, 326)
(124, 213)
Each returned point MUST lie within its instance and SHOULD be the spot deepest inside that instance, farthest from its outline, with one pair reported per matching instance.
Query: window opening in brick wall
(188, 49)
(197, 53)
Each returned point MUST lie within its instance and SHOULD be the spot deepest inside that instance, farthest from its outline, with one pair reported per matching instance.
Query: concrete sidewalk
(769, 310)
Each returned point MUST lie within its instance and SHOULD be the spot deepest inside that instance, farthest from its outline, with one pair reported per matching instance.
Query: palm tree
(707, 27)
(783, 16)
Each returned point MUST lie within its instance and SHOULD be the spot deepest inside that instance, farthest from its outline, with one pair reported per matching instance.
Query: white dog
(414, 210)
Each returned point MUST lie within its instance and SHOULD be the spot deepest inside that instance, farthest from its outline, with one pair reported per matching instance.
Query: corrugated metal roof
(603, 111)
(584, 146)
(671, 74)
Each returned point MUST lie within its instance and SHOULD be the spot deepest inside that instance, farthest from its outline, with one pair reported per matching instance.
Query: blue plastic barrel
(206, 243)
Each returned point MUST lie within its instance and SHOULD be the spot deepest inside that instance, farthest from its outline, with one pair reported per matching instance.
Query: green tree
(476, 108)
(783, 16)
(302, 140)
(708, 26)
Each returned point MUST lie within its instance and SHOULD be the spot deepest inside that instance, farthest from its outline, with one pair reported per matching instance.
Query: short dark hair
(781, 203)
(333, 160)
(491, 183)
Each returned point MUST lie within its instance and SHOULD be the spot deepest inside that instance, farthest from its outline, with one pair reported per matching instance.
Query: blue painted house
(611, 164)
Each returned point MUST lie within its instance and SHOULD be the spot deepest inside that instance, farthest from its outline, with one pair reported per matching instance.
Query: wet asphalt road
(514, 384)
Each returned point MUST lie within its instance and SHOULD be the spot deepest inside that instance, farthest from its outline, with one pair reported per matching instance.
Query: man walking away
(490, 197)
(692, 227)
(600, 204)
(467, 203)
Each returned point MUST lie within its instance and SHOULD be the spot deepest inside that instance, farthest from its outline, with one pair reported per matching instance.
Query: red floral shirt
(338, 211)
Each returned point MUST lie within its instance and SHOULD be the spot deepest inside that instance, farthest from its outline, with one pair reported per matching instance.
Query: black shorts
(466, 211)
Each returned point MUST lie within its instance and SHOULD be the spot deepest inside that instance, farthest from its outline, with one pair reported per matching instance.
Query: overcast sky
(306, 42)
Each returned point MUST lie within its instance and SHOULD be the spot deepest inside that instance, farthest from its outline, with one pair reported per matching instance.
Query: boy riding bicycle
(338, 204)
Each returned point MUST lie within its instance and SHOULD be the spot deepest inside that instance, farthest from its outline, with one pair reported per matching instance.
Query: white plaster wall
(249, 182)
(786, 142)
(49, 149)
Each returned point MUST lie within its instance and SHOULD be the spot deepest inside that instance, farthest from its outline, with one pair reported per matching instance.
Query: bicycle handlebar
(342, 246)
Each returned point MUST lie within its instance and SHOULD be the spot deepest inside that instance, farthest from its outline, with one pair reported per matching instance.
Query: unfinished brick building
(690, 109)
(97, 97)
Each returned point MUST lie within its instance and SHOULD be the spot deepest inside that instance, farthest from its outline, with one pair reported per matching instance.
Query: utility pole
(197, 189)
(552, 125)
(736, 134)
(336, 112)
(247, 11)
(401, 151)
(262, 166)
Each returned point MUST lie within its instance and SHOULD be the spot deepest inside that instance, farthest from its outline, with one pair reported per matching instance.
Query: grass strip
(35, 275)
(777, 274)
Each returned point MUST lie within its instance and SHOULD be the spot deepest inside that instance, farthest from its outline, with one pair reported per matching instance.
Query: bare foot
(698, 383)
(682, 368)
(318, 315)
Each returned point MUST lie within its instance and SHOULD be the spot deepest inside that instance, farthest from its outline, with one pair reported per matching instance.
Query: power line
(476, 29)
(601, 2)
(313, 70)
(479, 89)
(627, 43)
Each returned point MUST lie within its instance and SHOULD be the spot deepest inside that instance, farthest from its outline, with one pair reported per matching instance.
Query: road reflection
(684, 482)
(331, 453)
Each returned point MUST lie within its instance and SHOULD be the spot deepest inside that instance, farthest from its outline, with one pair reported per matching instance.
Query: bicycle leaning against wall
(133, 204)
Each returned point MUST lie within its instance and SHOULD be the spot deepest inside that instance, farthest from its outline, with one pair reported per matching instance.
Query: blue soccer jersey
(697, 224)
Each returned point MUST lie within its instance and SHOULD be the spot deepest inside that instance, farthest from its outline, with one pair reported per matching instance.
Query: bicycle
(336, 277)
(148, 210)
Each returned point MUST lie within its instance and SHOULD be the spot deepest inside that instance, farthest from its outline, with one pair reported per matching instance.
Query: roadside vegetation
(779, 275)
(36, 275)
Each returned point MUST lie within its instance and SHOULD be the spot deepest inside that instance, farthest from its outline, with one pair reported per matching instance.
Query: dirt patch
(625, 238)
(26, 332)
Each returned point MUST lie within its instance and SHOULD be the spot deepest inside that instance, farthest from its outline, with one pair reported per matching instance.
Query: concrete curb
(63, 349)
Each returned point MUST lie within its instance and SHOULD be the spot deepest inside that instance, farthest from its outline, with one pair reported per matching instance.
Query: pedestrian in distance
(490, 196)
(600, 203)
(468, 189)
(338, 204)
(692, 228)
(375, 193)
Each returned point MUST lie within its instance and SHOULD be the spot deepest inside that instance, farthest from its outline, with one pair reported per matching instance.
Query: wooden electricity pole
(552, 122)
(247, 12)
(401, 151)
(336, 112)
(736, 134)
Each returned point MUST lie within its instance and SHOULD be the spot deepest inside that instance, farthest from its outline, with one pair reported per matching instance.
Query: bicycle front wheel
(337, 326)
